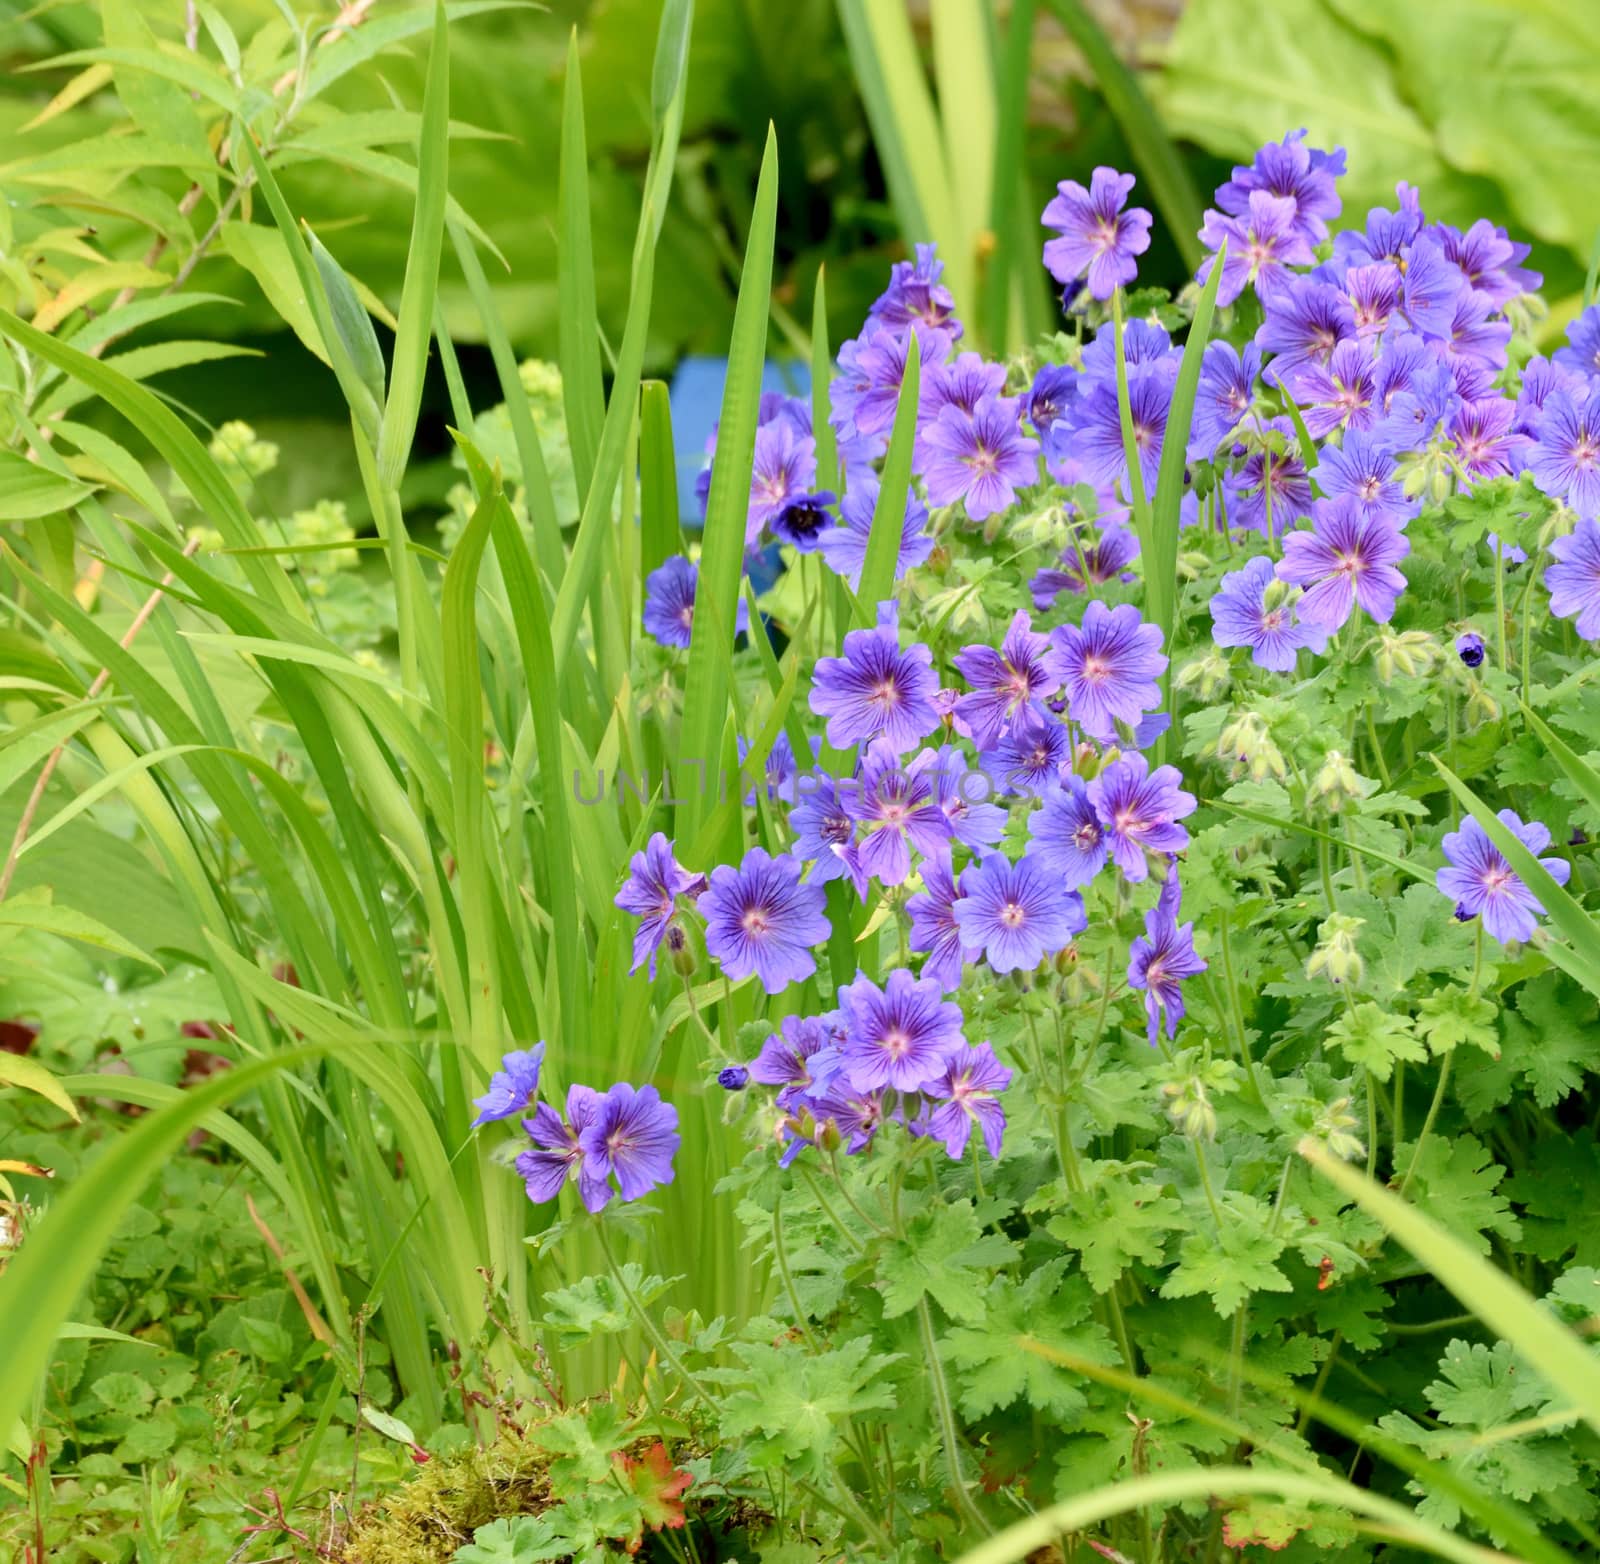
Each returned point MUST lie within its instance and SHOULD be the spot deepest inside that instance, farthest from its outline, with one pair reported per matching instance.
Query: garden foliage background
(257, 1261)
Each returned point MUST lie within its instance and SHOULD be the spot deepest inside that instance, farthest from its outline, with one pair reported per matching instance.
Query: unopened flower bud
(1247, 749)
(1335, 785)
(1207, 676)
(733, 1078)
(1066, 959)
(1412, 653)
(679, 951)
(1482, 707)
(1333, 1128)
(1336, 957)
(1469, 648)
(826, 1135)
(1189, 1107)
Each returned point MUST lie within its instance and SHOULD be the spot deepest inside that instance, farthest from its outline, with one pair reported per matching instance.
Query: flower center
(885, 693)
(1013, 915)
(897, 1042)
(757, 921)
(1096, 670)
(1086, 837)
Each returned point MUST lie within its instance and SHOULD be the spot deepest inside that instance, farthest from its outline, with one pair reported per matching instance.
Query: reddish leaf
(16, 1037)
(656, 1485)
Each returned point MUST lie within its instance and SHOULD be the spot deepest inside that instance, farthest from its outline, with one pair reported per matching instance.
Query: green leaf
(31, 1076)
(660, 531)
(1458, 1182)
(1451, 1016)
(30, 911)
(944, 1256)
(1114, 1224)
(28, 490)
(596, 1306)
(1375, 1039)
(889, 514)
(579, 326)
(1231, 1263)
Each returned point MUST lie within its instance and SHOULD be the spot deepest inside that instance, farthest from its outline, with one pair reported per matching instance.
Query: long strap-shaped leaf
(894, 488)
(708, 680)
(578, 324)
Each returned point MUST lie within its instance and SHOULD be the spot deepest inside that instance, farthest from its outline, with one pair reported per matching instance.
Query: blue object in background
(696, 398)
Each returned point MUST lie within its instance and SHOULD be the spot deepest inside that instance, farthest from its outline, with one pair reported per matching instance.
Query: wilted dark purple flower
(512, 1086)
(1348, 558)
(1289, 169)
(963, 796)
(1574, 579)
(876, 689)
(898, 811)
(1565, 459)
(972, 1083)
(1363, 468)
(1581, 354)
(1264, 241)
(1304, 321)
(1162, 958)
(785, 468)
(1139, 809)
(1097, 236)
(558, 1153)
(1016, 913)
(1254, 610)
(1486, 443)
(981, 459)
(845, 547)
(933, 924)
(633, 1138)
(1227, 384)
(916, 297)
(805, 520)
(1030, 756)
(1108, 667)
(900, 1035)
(1480, 881)
(1469, 648)
(1065, 834)
(655, 882)
(1489, 261)
(1003, 681)
(761, 919)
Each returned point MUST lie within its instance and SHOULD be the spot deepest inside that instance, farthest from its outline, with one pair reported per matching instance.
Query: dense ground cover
(916, 1020)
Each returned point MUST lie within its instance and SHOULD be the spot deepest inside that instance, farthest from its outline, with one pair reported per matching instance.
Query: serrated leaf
(943, 1256)
(1376, 1039)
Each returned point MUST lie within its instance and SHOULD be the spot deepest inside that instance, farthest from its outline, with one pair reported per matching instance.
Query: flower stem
(947, 1422)
(1427, 1123)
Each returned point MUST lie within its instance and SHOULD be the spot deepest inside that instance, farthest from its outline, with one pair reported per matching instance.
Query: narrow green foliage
(889, 514)
(661, 533)
(579, 325)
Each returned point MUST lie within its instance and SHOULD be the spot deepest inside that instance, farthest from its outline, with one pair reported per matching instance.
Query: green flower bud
(1333, 1128)
(1336, 957)
(1336, 784)
(1208, 676)
(679, 950)
(1411, 652)
(1482, 707)
(1247, 749)
(1190, 1108)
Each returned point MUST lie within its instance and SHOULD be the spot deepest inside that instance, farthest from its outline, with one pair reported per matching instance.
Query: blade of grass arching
(894, 488)
(669, 85)
(409, 364)
(658, 473)
(1008, 264)
(963, 68)
(821, 376)
(577, 320)
(1308, 447)
(905, 130)
(1581, 775)
(1578, 928)
(1567, 1362)
(49, 1273)
(535, 477)
(1299, 827)
(1592, 276)
(597, 508)
(1050, 1525)
(709, 675)
(1154, 154)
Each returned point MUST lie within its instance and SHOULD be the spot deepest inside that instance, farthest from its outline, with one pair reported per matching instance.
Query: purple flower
(1108, 667)
(1574, 579)
(866, 394)
(633, 1138)
(1387, 234)
(1469, 648)
(512, 1086)
(857, 1115)
(1341, 393)
(1253, 610)
(900, 1035)
(1094, 566)
(1304, 321)
(1374, 293)
(876, 689)
(1227, 384)
(1146, 350)
(785, 468)
(1363, 468)
(1489, 261)
(669, 601)
(933, 925)
(800, 1059)
(1541, 376)
(1293, 171)
(1065, 834)
(655, 882)
(805, 520)
(825, 833)
(1272, 489)
(972, 1082)
(1030, 757)
(1347, 559)
(1485, 439)
(845, 547)
(899, 811)
(558, 1151)
(1162, 957)
(1432, 285)
(981, 459)
(1016, 913)
(1139, 809)
(962, 384)
(916, 297)
(1480, 881)
(1473, 338)
(1096, 235)
(1565, 460)
(1263, 241)
(733, 1078)
(1096, 436)
(761, 919)
(1003, 681)
(1582, 351)
(1049, 396)
(963, 796)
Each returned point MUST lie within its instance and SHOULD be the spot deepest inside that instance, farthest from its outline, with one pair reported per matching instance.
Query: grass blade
(661, 534)
(889, 514)
(578, 322)
(821, 375)
(410, 364)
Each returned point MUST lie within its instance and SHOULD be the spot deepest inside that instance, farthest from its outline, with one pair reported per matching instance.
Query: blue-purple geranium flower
(655, 882)
(1253, 609)
(761, 919)
(1004, 681)
(897, 811)
(632, 1138)
(1347, 559)
(1108, 667)
(876, 689)
(900, 1035)
(1574, 579)
(1139, 810)
(512, 1087)
(1481, 882)
(1016, 913)
(968, 1097)
(1162, 957)
(1096, 237)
